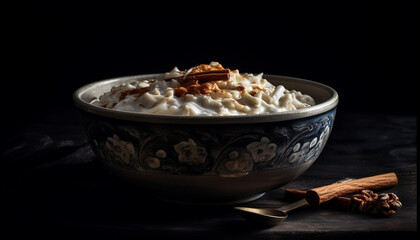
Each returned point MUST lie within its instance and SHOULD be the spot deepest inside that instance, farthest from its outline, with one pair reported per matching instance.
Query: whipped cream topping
(207, 89)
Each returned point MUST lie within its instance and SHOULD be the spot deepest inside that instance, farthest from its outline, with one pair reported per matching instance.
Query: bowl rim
(180, 119)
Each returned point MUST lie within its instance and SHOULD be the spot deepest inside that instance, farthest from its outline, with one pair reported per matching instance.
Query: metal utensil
(273, 216)
(269, 216)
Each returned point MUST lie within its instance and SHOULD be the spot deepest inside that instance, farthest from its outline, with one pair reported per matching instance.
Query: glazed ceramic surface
(209, 160)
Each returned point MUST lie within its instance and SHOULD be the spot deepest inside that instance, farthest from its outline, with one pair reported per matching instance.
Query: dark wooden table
(52, 186)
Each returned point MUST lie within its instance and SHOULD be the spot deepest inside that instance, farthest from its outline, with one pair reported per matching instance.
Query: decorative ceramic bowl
(209, 159)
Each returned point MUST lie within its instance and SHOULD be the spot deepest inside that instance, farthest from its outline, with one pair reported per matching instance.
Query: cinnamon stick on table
(338, 202)
(319, 195)
(367, 201)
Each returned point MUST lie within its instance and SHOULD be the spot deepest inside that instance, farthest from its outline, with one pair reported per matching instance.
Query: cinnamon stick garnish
(200, 83)
(225, 70)
(319, 195)
(203, 77)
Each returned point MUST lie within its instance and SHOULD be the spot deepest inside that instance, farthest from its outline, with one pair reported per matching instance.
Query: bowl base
(210, 203)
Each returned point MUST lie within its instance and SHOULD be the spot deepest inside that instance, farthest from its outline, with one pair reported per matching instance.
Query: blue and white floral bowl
(209, 159)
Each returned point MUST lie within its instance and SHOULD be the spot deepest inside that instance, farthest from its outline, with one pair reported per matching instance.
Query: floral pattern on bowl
(208, 149)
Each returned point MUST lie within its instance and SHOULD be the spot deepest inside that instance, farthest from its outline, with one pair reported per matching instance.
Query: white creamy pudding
(207, 89)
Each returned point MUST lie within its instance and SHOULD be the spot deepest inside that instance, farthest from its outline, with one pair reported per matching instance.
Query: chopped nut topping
(201, 80)
(206, 68)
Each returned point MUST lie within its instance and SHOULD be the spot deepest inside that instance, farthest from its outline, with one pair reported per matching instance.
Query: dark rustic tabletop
(52, 186)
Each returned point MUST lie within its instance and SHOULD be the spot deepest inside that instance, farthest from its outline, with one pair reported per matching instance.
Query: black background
(365, 50)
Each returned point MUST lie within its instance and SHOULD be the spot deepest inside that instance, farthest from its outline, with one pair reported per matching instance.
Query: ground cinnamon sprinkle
(240, 88)
(137, 92)
(258, 88)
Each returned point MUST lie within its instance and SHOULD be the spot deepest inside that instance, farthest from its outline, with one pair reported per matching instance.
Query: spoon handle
(320, 195)
(294, 205)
